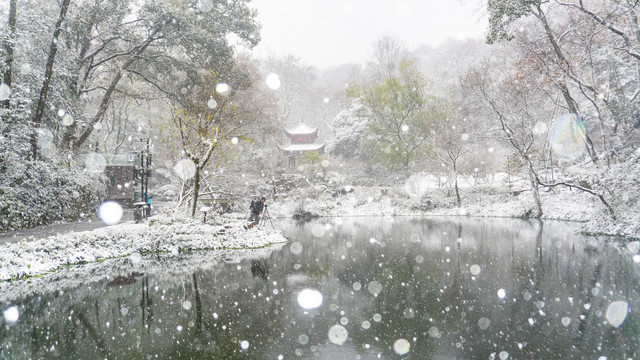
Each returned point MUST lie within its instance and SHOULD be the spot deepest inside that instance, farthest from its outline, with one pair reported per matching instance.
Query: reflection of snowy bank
(41, 256)
(167, 267)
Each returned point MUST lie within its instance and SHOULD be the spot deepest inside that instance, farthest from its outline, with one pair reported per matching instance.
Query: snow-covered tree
(402, 110)
(349, 130)
(514, 102)
(296, 95)
(150, 42)
(217, 119)
(387, 56)
(588, 53)
(451, 141)
(8, 47)
(48, 74)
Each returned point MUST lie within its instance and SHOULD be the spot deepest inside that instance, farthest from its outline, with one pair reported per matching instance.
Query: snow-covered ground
(168, 267)
(560, 203)
(29, 258)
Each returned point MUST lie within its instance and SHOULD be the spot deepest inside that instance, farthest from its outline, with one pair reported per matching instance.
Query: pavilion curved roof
(302, 147)
(301, 129)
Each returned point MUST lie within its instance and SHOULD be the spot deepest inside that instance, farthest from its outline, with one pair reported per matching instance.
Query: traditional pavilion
(302, 139)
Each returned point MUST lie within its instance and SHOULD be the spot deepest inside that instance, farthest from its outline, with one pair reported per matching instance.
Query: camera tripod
(265, 216)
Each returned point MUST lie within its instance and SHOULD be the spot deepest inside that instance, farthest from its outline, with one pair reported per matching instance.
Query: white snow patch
(30, 258)
(168, 268)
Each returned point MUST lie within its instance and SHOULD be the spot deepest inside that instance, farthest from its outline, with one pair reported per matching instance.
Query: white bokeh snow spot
(374, 288)
(223, 89)
(110, 212)
(5, 92)
(95, 163)
(185, 168)
(205, 5)
(401, 347)
(475, 270)
(502, 293)
(317, 230)
(338, 334)
(617, 313)
(296, 248)
(68, 120)
(273, 81)
(484, 323)
(310, 299)
(11, 314)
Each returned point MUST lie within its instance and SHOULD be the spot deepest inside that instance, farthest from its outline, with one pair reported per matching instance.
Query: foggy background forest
(548, 102)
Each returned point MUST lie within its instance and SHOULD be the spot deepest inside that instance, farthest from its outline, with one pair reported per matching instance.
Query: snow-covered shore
(30, 258)
(168, 267)
(33, 257)
(558, 204)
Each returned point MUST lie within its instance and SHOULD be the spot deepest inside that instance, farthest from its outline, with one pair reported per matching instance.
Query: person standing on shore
(256, 208)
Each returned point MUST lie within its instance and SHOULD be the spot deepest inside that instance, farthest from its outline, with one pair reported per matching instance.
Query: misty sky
(333, 32)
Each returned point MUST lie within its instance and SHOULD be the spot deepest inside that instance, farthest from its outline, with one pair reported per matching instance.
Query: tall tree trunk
(455, 182)
(6, 78)
(37, 119)
(561, 83)
(573, 108)
(8, 48)
(536, 193)
(196, 190)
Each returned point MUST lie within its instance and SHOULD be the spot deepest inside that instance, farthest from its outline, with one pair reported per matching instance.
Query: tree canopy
(401, 114)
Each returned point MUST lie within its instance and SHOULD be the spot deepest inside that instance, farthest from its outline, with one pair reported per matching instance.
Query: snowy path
(41, 232)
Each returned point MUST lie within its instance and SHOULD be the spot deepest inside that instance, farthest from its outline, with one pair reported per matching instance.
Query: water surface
(351, 288)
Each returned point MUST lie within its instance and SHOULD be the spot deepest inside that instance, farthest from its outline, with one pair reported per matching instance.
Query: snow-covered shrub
(168, 192)
(334, 178)
(349, 128)
(622, 184)
(436, 198)
(39, 193)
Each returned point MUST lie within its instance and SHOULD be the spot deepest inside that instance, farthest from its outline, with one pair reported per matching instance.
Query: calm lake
(345, 288)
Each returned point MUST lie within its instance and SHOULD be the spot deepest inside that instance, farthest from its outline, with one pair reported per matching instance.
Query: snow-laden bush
(435, 199)
(40, 192)
(168, 192)
(349, 128)
(622, 184)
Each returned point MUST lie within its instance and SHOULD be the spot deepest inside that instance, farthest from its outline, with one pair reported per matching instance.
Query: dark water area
(351, 288)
